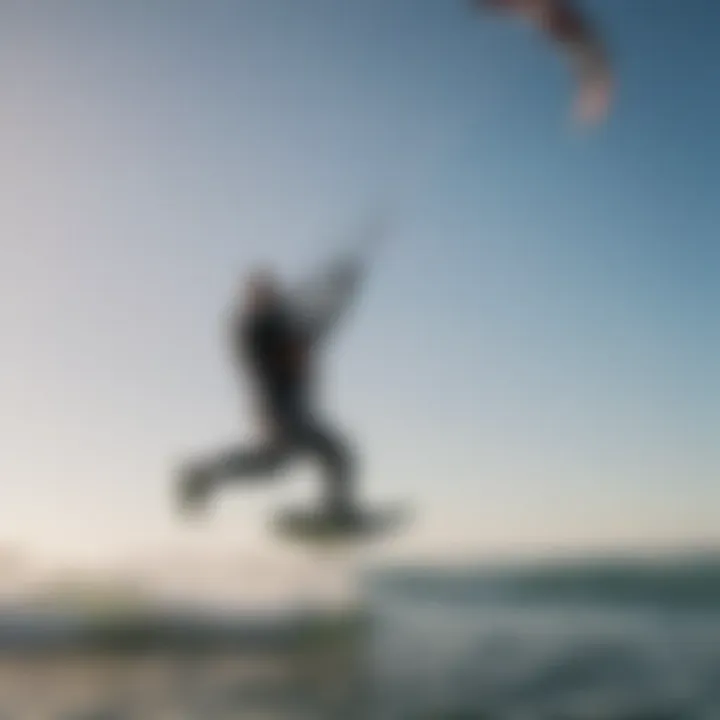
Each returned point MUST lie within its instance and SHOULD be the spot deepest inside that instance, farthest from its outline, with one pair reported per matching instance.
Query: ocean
(577, 640)
(581, 640)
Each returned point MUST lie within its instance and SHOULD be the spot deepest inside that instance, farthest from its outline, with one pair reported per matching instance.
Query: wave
(675, 583)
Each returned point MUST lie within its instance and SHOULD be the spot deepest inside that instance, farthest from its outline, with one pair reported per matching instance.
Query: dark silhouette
(276, 334)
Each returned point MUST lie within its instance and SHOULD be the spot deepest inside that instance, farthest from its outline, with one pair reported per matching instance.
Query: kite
(567, 27)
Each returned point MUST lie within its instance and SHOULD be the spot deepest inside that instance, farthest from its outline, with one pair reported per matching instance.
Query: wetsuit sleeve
(326, 297)
(244, 343)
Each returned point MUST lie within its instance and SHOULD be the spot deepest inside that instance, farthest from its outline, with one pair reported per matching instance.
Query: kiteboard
(311, 525)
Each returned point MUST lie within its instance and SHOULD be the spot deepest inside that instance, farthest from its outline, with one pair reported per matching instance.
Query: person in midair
(275, 336)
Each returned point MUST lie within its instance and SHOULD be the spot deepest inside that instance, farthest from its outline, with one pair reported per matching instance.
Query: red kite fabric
(566, 26)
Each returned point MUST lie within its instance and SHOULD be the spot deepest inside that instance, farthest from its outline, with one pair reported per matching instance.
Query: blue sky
(535, 360)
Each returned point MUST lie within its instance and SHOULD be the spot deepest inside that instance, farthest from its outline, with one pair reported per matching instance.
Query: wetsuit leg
(336, 459)
(251, 464)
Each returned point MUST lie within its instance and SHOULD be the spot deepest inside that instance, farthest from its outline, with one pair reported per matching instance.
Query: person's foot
(343, 513)
(193, 489)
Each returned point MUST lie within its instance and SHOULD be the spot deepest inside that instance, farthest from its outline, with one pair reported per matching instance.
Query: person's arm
(245, 337)
(241, 340)
(325, 297)
(331, 297)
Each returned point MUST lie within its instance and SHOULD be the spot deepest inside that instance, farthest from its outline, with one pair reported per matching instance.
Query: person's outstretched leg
(338, 463)
(258, 464)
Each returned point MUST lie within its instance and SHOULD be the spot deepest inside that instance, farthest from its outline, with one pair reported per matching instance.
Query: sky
(534, 361)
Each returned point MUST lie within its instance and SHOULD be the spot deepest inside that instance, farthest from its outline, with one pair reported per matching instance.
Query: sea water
(608, 640)
(579, 641)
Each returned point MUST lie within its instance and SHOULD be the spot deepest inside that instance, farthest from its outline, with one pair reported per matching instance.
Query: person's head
(262, 289)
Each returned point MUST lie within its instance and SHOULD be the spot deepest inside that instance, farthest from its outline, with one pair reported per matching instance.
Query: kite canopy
(576, 37)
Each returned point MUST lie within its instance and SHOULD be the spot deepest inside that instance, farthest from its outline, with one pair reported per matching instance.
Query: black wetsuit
(277, 347)
(272, 346)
